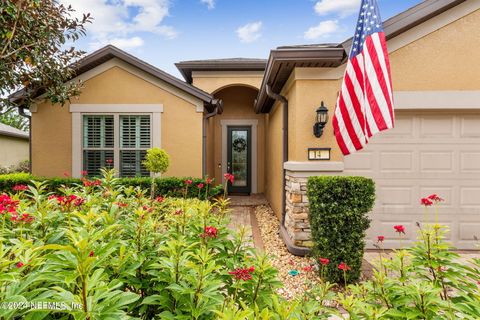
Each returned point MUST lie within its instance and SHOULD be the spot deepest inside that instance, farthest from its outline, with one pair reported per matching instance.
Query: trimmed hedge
(170, 186)
(338, 219)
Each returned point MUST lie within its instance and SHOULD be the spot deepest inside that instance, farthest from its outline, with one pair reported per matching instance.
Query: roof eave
(331, 56)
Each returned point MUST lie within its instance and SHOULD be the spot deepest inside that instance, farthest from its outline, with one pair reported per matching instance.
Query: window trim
(79, 110)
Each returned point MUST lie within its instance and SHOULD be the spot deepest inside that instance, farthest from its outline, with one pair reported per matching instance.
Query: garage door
(427, 152)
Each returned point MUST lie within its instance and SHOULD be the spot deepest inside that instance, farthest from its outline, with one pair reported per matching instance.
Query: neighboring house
(254, 118)
(14, 146)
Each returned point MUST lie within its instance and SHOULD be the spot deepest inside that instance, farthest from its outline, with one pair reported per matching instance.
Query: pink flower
(84, 173)
(344, 267)
(188, 182)
(399, 229)
(324, 261)
(208, 181)
(426, 202)
(200, 185)
(159, 199)
(66, 174)
(229, 177)
(244, 274)
(20, 187)
(19, 264)
(380, 238)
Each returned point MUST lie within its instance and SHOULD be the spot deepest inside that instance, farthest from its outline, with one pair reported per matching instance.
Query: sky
(163, 32)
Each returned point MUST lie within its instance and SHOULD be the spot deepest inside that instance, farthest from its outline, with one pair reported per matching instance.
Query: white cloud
(117, 20)
(341, 7)
(209, 3)
(127, 43)
(250, 32)
(322, 30)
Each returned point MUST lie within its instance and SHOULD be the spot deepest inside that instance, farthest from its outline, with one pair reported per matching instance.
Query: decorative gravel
(283, 260)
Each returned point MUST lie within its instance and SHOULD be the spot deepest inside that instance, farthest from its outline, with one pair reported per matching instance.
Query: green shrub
(157, 160)
(121, 255)
(168, 186)
(23, 166)
(338, 219)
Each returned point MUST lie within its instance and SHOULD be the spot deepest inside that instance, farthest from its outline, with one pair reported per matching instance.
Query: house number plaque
(319, 153)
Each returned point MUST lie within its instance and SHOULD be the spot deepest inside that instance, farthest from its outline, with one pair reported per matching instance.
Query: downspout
(217, 109)
(21, 111)
(284, 103)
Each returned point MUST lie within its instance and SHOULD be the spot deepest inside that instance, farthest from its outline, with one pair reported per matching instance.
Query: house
(254, 118)
(14, 144)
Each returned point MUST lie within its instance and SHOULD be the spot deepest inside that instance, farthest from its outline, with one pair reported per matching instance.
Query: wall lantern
(321, 121)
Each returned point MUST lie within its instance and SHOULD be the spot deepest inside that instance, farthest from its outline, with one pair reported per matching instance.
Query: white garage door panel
(426, 153)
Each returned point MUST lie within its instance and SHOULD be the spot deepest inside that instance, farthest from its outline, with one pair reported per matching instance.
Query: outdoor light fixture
(322, 119)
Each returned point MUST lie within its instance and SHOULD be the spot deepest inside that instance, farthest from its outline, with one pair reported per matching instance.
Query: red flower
(399, 229)
(147, 208)
(20, 187)
(122, 204)
(209, 232)
(88, 183)
(66, 174)
(343, 266)
(188, 182)
(108, 161)
(7, 204)
(291, 262)
(178, 212)
(244, 274)
(84, 173)
(19, 264)
(200, 185)
(435, 198)
(26, 218)
(308, 268)
(229, 177)
(426, 202)
(91, 254)
(324, 261)
(208, 181)
(380, 238)
(159, 199)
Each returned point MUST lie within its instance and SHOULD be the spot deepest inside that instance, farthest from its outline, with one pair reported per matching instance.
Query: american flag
(365, 103)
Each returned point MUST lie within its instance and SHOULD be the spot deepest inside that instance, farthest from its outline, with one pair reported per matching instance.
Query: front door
(239, 158)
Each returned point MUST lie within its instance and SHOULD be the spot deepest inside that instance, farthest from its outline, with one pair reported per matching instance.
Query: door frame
(253, 123)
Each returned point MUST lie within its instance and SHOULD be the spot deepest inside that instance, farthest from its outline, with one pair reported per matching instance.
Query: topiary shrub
(156, 161)
(338, 219)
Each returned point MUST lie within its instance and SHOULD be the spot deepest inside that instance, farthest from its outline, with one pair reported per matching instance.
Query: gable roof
(281, 64)
(6, 130)
(230, 64)
(109, 52)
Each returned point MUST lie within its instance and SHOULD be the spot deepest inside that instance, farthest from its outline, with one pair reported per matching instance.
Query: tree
(34, 53)
(14, 119)
(156, 161)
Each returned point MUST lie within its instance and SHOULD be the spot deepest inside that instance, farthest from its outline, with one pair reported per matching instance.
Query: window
(116, 141)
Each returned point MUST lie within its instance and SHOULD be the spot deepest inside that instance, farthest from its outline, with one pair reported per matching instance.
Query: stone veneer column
(296, 232)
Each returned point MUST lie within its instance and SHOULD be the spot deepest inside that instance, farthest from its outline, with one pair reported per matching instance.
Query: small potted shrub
(156, 161)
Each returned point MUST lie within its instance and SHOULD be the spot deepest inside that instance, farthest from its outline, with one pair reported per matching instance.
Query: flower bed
(105, 251)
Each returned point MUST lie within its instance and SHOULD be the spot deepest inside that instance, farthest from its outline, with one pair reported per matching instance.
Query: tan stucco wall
(443, 60)
(238, 105)
(274, 159)
(181, 128)
(13, 150)
(213, 82)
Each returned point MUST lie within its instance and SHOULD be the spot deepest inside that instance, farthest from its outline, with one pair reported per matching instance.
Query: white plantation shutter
(135, 139)
(98, 143)
(100, 149)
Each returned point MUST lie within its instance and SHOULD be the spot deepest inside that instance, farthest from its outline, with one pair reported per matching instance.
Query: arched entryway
(236, 140)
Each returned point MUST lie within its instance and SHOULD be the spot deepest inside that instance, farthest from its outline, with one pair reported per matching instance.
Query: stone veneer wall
(296, 215)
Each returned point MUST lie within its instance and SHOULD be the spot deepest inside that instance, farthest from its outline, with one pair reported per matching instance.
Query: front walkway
(243, 215)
